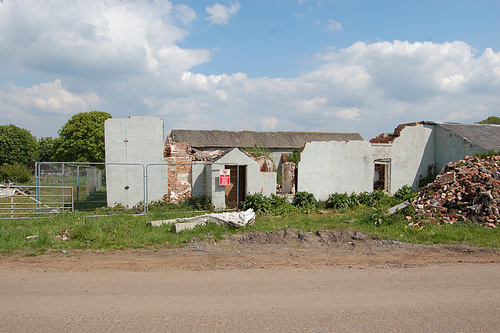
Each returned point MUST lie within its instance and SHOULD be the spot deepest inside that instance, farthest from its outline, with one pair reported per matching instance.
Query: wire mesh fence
(95, 185)
(86, 181)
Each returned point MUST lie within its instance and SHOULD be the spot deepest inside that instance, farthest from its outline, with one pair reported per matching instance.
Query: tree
(490, 120)
(45, 149)
(82, 138)
(17, 146)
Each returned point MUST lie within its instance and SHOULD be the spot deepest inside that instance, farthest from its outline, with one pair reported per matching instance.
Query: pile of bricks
(465, 190)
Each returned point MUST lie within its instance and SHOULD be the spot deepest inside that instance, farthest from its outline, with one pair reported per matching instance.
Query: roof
(246, 139)
(485, 136)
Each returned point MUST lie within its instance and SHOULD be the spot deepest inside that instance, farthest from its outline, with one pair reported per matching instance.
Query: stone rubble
(465, 190)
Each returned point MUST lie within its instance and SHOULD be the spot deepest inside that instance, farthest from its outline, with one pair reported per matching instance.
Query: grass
(121, 231)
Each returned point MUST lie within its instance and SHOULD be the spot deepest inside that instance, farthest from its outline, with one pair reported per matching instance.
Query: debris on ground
(235, 219)
(465, 190)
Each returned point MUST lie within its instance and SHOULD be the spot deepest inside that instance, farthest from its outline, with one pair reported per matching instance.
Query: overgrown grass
(118, 231)
(123, 231)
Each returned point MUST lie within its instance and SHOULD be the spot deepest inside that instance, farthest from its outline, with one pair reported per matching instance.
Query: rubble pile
(465, 190)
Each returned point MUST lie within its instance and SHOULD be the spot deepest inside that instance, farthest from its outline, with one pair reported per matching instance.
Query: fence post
(12, 206)
(78, 182)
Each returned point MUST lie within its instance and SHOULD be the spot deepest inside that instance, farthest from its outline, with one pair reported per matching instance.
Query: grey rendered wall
(275, 156)
(201, 185)
(451, 147)
(134, 140)
(329, 167)
(256, 181)
(411, 154)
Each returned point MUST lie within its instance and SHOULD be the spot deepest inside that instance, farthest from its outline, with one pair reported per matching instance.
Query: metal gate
(21, 202)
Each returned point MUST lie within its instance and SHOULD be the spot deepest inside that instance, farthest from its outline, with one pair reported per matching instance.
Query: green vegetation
(294, 156)
(490, 120)
(17, 173)
(17, 146)
(121, 229)
(45, 149)
(305, 200)
(488, 153)
(81, 138)
(258, 151)
(432, 173)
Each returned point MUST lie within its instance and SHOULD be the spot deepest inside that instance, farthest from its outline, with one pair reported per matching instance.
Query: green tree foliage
(45, 149)
(17, 173)
(490, 120)
(17, 146)
(82, 138)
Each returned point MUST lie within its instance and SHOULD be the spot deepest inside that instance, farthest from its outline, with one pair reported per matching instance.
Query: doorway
(382, 175)
(235, 191)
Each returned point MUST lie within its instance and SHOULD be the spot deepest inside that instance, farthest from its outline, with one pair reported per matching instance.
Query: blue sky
(296, 65)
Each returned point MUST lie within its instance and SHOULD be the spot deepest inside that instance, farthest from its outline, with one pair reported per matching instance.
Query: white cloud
(268, 123)
(42, 108)
(185, 14)
(48, 97)
(128, 58)
(349, 114)
(368, 87)
(220, 14)
(95, 38)
(334, 26)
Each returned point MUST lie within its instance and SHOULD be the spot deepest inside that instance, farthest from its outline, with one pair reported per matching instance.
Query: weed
(305, 200)
(429, 178)
(405, 193)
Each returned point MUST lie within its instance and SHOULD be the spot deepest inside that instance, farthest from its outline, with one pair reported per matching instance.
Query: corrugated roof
(485, 136)
(244, 139)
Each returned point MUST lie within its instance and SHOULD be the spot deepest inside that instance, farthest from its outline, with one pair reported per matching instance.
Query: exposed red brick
(389, 137)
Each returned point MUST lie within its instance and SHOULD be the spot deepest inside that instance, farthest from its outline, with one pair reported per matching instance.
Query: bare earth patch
(277, 249)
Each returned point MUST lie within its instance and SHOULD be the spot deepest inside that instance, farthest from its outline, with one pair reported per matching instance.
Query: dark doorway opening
(235, 191)
(382, 175)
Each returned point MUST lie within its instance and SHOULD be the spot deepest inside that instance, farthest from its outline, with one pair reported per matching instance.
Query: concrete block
(187, 225)
(162, 222)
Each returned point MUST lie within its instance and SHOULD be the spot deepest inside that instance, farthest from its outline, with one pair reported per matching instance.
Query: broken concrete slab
(178, 227)
(162, 222)
(396, 208)
(236, 219)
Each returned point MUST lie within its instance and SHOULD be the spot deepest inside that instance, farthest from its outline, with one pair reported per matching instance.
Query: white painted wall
(451, 147)
(206, 177)
(139, 141)
(345, 167)
(411, 154)
(330, 167)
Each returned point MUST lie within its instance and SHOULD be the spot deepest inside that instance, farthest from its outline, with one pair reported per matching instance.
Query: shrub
(366, 198)
(294, 156)
(258, 202)
(199, 203)
(338, 201)
(305, 200)
(346, 201)
(18, 173)
(405, 193)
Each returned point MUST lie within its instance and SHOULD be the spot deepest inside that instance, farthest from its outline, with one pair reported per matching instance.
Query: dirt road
(256, 282)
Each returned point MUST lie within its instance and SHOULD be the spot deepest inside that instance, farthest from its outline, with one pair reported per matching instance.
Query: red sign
(224, 176)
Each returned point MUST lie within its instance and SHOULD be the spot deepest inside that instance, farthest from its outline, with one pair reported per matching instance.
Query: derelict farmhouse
(141, 166)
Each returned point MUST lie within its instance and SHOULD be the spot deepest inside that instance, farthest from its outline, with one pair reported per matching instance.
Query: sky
(280, 65)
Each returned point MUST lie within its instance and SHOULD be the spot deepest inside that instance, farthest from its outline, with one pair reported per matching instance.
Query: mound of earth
(282, 249)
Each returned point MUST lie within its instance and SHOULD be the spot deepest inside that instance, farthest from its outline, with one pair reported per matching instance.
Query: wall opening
(235, 191)
(382, 175)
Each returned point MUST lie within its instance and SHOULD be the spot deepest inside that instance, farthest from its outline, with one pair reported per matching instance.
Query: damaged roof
(485, 136)
(243, 139)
